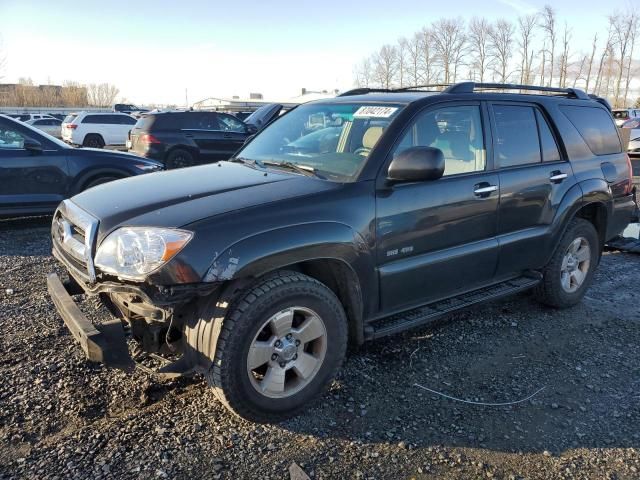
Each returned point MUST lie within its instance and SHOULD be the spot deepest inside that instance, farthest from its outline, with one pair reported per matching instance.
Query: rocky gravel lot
(61, 417)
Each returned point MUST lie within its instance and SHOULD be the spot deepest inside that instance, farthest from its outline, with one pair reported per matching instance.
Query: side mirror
(251, 129)
(32, 145)
(417, 164)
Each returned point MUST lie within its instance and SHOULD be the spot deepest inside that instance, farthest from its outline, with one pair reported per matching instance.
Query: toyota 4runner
(344, 220)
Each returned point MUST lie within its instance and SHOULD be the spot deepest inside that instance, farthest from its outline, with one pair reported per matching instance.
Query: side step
(425, 314)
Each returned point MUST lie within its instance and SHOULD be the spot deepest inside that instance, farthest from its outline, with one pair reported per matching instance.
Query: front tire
(280, 345)
(568, 275)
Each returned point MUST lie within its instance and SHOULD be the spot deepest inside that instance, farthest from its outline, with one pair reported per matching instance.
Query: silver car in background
(52, 126)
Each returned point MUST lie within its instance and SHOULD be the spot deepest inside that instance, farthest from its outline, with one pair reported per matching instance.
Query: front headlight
(133, 252)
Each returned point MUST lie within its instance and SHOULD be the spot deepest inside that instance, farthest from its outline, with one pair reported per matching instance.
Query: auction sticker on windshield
(374, 112)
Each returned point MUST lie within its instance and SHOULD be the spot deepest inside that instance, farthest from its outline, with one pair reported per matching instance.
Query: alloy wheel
(287, 352)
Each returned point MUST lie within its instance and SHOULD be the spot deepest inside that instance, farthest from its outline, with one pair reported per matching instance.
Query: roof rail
(362, 91)
(418, 87)
(470, 87)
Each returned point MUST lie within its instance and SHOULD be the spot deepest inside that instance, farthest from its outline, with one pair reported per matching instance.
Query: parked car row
(38, 171)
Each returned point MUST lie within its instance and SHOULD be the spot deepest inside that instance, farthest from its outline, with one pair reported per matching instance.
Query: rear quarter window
(596, 127)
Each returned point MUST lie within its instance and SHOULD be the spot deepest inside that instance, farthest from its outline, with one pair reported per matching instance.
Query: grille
(73, 232)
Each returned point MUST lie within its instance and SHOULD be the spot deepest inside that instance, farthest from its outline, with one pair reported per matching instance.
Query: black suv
(342, 221)
(184, 139)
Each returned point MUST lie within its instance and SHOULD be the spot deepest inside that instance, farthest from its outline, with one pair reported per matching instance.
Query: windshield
(332, 140)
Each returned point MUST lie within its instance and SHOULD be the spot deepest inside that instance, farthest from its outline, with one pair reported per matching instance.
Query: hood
(178, 197)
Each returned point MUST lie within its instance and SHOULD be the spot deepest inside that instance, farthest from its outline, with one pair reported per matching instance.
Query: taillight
(629, 187)
(148, 138)
(72, 126)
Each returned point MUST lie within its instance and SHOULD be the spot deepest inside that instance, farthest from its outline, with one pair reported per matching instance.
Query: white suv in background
(97, 130)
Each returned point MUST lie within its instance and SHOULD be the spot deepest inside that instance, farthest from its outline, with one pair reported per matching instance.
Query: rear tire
(280, 345)
(93, 140)
(568, 275)
(179, 158)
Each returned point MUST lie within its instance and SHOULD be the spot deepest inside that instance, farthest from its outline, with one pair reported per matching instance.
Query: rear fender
(580, 195)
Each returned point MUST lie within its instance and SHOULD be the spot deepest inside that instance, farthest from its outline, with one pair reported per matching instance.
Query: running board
(428, 313)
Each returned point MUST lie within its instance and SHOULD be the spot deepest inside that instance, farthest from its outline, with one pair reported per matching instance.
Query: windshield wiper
(296, 167)
(247, 161)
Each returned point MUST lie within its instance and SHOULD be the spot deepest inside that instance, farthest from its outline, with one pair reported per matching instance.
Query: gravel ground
(61, 417)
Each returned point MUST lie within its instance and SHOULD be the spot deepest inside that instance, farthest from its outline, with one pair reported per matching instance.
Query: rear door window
(516, 137)
(596, 127)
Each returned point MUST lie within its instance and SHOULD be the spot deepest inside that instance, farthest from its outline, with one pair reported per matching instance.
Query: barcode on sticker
(374, 112)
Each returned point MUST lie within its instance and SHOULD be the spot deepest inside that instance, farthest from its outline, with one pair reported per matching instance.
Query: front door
(438, 238)
(234, 133)
(534, 178)
(30, 181)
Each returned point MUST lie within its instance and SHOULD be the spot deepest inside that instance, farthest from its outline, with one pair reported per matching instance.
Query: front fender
(278, 248)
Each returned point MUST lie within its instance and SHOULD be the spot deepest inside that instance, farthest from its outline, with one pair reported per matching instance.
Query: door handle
(557, 176)
(484, 191)
(188, 135)
(227, 135)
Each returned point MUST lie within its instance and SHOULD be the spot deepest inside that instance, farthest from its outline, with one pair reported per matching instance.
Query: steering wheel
(362, 150)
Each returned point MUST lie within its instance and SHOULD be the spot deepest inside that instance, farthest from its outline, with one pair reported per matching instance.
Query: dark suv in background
(345, 220)
(184, 139)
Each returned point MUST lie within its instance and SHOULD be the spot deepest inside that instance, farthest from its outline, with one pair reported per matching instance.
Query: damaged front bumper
(105, 344)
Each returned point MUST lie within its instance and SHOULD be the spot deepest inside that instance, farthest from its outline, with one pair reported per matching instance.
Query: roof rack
(470, 87)
(362, 91)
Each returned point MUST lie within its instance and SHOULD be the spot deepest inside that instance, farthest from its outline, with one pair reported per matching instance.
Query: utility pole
(186, 99)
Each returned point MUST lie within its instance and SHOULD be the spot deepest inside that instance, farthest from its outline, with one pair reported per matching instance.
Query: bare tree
(549, 26)
(401, 49)
(564, 59)
(606, 53)
(102, 94)
(364, 73)
(428, 59)
(480, 46)
(634, 20)
(593, 54)
(449, 41)
(501, 42)
(414, 57)
(526, 25)
(73, 94)
(622, 26)
(385, 66)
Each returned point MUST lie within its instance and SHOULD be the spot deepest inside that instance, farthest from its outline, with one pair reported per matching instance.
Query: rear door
(123, 127)
(534, 178)
(30, 181)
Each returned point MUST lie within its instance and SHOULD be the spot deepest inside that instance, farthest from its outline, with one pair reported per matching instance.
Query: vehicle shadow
(584, 359)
